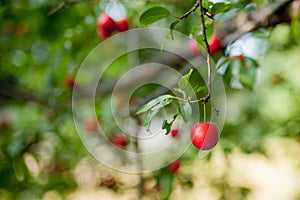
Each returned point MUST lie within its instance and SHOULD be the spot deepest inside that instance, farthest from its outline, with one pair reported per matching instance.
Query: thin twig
(61, 6)
(207, 14)
(190, 11)
(21, 94)
(58, 8)
(202, 13)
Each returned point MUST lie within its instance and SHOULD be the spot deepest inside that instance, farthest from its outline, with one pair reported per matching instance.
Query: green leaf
(222, 62)
(167, 125)
(228, 75)
(184, 80)
(164, 98)
(185, 110)
(165, 181)
(206, 3)
(153, 14)
(247, 77)
(200, 88)
(296, 28)
(154, 110)
(181, 92)
(209, 30)
(172, 27)
(148, 120)
(250, 62)
(194, 30)
(220, 7)
(199, 39)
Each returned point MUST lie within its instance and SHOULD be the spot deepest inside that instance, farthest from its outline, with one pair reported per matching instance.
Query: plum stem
(204, 113)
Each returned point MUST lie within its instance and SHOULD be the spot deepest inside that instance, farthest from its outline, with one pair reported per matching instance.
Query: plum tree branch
(58, 8)
(264, 19)
(231, 36)
(61, 6)
(205, 99)
(20, 94)
(190, 11)
(193, 9)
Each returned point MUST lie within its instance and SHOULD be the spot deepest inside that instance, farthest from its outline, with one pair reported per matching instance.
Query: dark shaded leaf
(250, 62)
(167, 125)
(296, 28)
(172, 27)
(165, 181)
(247, 77)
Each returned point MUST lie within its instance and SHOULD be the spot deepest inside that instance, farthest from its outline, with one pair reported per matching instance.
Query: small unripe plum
(204, 136)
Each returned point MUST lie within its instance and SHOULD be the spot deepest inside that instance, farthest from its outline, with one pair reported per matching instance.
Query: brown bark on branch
(262, 18)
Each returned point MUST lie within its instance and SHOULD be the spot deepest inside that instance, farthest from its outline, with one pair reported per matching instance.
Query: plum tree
(40, 152)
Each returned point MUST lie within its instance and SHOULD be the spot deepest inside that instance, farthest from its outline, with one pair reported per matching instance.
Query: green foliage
(220, 7)
(209, 32)
(165, 181)
(184, 80)
(296, 28)
(244, 70)
(247, 77)
(168, 125)
(154, 106)
(184, 107)
(40, 150)
(153, 14)
(160, 101)
(185, 110)
(172, 27)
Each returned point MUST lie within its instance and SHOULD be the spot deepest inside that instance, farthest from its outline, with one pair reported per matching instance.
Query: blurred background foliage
(41, 156)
